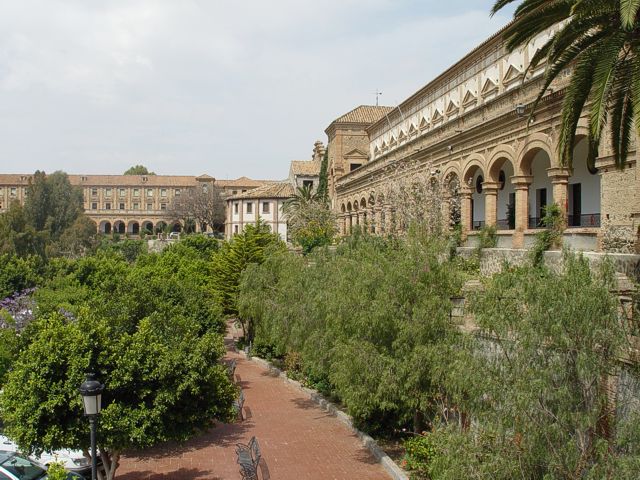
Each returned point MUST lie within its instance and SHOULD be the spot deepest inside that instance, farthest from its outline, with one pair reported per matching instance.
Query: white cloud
(228, 88)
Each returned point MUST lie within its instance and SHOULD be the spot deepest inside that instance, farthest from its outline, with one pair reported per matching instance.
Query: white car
(14, 467)
(71, 460)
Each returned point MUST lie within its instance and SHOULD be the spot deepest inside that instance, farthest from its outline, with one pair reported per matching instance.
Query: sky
(228, 88)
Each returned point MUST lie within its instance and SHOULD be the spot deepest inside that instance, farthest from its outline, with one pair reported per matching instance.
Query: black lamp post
(91, 391)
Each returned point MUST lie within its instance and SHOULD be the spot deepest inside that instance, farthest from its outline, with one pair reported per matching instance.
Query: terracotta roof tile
(364, 114)
(306, 167)
(136, 180)
(273, 190)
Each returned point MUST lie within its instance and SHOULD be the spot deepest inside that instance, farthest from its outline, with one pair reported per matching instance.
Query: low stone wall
(492, 260)
(157, 246)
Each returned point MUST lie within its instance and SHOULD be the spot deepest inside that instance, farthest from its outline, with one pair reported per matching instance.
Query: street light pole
(91, 391)
(93, 421)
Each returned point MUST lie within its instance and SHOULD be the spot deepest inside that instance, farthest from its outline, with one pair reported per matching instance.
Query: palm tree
(600, 41)
(304, 196)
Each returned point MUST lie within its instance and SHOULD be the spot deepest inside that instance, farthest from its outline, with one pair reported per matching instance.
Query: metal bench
(249, 458)
(238, 404)
(231, 368)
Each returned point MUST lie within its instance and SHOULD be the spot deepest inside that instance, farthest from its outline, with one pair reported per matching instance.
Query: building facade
(468, 132)
(266, 202)
(129, 204)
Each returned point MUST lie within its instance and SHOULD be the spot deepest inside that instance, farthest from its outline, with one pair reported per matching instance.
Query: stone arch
(343, 209)
(160, 226)
(497, 159)
(363, 203)
(133, 227)
(119, 227)
(472, 163)
(176, 226)
(105, 226)
(535, 143)
(349, 206)
(147, 226)
(474, 178)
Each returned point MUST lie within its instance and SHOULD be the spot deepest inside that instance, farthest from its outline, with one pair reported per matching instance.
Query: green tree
(233, 258)
(309, 218)
(52, 203)
(17, 236)
(314, 225)
(534, 378)
(323, 185)
(370, 321)
(599, 40)
(79, 239)
(138, 170)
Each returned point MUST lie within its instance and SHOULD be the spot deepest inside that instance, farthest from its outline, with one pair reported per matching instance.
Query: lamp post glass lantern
(91, 391)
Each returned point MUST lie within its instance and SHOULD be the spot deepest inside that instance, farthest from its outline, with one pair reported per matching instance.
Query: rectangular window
(235, 229)
(163, 192)
(265, 207)
(235, 208)
(94, 206)
(14, 191)
(205, 188)
(149, 192)
(177, 192)
(233, 192)
(136, 192)
(163, 206)
(249, 207)
(136, 206)
(123, 192)
(107, 192)
(107, 206)
(121, 206)
(149, 206)
(307, 183)
(94, 192)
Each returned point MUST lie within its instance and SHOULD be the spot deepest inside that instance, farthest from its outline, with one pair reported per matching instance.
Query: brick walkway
(298, 440)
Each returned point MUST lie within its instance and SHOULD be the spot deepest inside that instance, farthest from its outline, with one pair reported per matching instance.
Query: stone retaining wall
(492, 260)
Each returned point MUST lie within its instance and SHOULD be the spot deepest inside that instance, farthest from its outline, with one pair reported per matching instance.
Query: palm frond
(607, 63)
(499, 5)
(628, 13)
(573, 103)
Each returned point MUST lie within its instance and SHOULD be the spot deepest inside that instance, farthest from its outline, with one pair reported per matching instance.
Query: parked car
(15, 467)
(72, 460)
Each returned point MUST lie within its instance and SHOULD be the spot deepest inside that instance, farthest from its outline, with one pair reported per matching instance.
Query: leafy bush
(370, 321)
(56, 471)
(420, 453)
(550, 236)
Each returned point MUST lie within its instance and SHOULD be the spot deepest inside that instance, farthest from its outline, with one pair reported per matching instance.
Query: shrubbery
(522, 394)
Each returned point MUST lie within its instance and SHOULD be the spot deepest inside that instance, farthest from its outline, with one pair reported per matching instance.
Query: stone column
(388, 219)
(521, 185)
(377, 226)
(353, 220)
(445, 211)
(490, 191)
(560, 181)
(465, 211)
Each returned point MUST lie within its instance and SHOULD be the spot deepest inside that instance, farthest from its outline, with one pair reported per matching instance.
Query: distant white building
(266, 202)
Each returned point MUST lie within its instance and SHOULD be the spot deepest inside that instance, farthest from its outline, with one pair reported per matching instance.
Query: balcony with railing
(585, 220)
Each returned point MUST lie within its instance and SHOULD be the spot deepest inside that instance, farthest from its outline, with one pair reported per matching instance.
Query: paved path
(298, 440)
